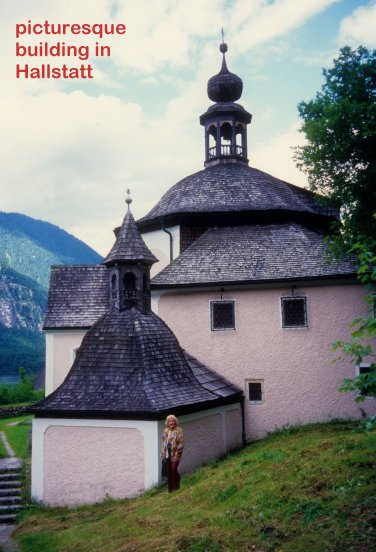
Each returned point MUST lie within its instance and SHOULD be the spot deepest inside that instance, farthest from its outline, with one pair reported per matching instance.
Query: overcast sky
(70, 149)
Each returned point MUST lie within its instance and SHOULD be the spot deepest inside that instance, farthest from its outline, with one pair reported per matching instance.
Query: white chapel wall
(158, 242)
(60, 354)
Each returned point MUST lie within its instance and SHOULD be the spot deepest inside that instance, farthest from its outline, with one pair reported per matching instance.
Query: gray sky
(70, 149)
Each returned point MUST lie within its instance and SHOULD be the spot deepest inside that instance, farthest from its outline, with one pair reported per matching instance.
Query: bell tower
(225, 122)
(128, 264)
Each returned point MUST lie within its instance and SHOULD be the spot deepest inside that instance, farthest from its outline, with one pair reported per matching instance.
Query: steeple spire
(225, 122)
(129, 263)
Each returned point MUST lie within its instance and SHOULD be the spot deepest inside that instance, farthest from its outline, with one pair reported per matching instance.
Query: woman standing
(172, 449)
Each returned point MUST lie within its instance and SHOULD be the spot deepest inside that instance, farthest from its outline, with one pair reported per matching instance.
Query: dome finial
(128, 201)
(225, 86)
(223, 46)
(223, 49)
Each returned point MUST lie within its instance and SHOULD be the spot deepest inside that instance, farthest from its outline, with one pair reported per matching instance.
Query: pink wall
(210, 437)
(97, 462)
(300, 380)
(233, 428)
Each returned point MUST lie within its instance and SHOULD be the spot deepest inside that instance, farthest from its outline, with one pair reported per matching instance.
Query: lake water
(9, 379)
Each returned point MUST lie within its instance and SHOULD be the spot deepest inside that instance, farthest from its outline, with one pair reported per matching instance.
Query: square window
(222, 315)
(255, 391)
(294, 312)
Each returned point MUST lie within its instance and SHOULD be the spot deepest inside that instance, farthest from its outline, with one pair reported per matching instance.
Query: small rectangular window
(255, 391)
(222, 315)
(360, 371)
(294, 312)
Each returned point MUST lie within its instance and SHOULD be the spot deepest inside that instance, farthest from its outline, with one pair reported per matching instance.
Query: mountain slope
(28, 248)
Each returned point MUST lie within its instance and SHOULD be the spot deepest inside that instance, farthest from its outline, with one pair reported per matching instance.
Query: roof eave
(351, 277)
(223, 218)
(136, 415)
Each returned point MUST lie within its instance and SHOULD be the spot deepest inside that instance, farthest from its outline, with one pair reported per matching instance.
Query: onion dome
(225, 86)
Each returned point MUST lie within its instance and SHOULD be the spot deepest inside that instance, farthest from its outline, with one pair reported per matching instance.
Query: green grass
(310, 489)
(17, 435)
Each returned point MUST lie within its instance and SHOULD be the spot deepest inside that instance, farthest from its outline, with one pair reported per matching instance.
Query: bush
(21, 392)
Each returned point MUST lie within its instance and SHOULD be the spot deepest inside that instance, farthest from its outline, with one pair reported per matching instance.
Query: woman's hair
(171, 417)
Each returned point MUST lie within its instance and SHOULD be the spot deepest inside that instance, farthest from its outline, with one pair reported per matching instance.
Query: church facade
(249, 287)
(245, 286)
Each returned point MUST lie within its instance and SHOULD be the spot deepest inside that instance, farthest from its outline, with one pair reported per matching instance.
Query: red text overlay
(46, 43)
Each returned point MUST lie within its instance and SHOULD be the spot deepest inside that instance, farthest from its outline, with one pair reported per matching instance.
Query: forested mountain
(28, 248)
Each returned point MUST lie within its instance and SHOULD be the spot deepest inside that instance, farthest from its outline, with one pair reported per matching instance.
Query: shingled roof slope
(78, 296)
(131, 364)
(129, 245)
(258, 253)
(233, 187)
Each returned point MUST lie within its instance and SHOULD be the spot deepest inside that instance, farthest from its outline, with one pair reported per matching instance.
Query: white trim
(252, 380)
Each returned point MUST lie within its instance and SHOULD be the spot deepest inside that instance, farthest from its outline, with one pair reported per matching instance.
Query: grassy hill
(307, 489)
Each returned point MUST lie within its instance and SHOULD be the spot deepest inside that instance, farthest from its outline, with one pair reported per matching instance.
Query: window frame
(294, 298)
(219, 302)
(255, 402)
(358, 373)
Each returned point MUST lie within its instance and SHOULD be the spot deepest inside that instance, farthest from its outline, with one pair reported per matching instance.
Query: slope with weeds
(311, 488)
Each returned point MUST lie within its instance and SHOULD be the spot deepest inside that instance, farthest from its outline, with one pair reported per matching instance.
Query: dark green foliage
(360, 347)
(340, 128)
(20, 347)
(22, 392)
(339, 159)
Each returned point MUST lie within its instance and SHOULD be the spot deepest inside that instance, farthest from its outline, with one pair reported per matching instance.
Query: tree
(339, 159)
(340, 128)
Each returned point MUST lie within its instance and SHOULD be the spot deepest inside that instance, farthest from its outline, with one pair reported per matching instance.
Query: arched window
(129, 280)
(129, 285)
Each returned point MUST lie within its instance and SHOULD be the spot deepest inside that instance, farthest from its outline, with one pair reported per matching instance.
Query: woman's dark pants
(173, 477)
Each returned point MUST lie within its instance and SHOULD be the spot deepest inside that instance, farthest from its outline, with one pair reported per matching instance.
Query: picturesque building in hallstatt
(232, 333)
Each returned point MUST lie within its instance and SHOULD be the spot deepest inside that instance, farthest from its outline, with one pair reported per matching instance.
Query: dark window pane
(223, 315)
(255, 391)
(294, 312)
(363, 371)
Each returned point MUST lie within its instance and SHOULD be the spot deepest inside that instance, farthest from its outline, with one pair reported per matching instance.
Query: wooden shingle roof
(78, 296)
(129, 245)
(233, 188)
(259, 253)
(131, 364)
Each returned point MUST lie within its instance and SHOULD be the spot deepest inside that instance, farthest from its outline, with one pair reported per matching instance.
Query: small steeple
(129, 263)
(225, 122)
